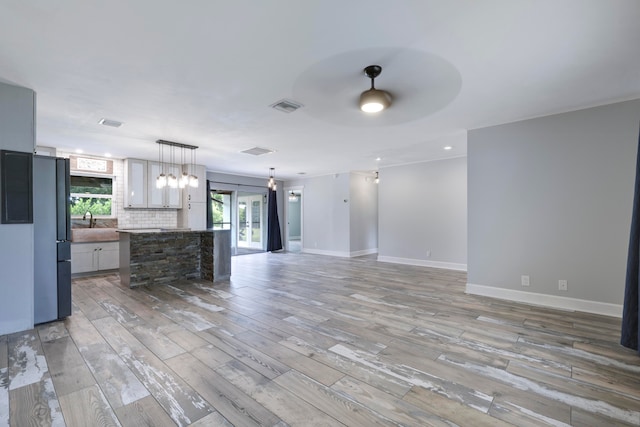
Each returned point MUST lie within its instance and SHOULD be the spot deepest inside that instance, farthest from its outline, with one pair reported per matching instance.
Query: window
(221, 209)
(91, 194)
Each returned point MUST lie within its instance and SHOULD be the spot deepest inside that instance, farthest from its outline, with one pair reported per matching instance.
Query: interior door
(250, 221)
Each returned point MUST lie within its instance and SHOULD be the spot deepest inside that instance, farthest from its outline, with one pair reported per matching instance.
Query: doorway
(293, 233)
(250, 221)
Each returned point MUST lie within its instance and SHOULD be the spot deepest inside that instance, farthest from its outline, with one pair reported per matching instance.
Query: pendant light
(272, 179)
(161, 180)
(377, 179)
(293, 197)
(374, 100)
(172, 180)
(186, 178)
(193, 180)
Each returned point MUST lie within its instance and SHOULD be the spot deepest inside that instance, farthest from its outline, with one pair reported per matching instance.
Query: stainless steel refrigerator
(52, 239)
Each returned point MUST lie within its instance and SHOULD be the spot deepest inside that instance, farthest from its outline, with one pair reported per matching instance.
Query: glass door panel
(250, 221)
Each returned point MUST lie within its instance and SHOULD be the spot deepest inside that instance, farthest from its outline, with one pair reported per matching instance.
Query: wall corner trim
(546, 300)
(423, 263)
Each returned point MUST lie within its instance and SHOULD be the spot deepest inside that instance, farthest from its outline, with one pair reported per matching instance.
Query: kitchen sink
(81, 235)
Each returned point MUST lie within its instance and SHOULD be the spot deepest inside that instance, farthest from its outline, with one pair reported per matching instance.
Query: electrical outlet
(525, 280)
(562, 285)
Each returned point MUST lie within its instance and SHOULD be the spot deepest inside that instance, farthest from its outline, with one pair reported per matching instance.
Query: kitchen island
(164, 256)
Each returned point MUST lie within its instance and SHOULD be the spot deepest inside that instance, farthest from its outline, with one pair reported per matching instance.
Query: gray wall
(551, 198)
(17, 121)
(423, 207)
(363, 213)
(339, 214)
(326, 215)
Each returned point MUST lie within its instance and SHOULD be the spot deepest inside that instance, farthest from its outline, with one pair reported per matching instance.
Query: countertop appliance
(52, 239)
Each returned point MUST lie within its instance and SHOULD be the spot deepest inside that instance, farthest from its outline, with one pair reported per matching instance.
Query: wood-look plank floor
(304, 340)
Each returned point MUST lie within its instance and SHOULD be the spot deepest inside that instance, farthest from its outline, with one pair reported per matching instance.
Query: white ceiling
(204, 72)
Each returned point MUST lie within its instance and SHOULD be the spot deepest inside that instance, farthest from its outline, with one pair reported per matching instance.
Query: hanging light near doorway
(293, 197)
(272, 179)
(377, 179)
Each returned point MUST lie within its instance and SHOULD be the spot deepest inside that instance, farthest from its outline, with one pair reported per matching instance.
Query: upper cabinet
(166, 197)
(140, 189)
(135, 183)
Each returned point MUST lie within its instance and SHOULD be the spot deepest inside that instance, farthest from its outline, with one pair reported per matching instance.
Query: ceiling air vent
(109, 122)
(258, 151)
(286, 105)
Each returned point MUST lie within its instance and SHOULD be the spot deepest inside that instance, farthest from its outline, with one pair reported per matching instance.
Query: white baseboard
(546, 300)
(340, 253)
(325, 252)
(364, 252)
(423, 263)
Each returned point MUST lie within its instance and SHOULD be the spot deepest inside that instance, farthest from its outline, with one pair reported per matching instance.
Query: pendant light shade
(374, 100)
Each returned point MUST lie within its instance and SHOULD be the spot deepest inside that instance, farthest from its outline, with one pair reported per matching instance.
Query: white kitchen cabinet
(166, 197)
(140, 189)
(90, 257)
(198, 194)
(193, 215)
(135, 183)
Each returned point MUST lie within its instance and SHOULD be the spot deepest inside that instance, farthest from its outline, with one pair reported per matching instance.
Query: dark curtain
(274, 239)
(209, 213)
(630, 334)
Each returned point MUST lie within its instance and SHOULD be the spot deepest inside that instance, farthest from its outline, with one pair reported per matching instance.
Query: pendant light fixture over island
(187, 178)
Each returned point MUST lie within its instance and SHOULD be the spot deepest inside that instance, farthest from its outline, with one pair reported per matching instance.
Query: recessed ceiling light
(79, 150)
(107, 154)
(378, 159)
(112, 123)
(447, 147)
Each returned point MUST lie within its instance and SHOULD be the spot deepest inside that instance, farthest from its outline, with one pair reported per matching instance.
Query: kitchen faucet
(90, 218)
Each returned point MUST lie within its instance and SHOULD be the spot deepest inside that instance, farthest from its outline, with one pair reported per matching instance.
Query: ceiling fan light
(374, 100)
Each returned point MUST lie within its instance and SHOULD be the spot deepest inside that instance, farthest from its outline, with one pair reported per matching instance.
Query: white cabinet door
(173, 196)
(166, 197)
(87, 257)
(82, 257)
(108, 256)
(155, 195)
(135, 183)
(197, 216)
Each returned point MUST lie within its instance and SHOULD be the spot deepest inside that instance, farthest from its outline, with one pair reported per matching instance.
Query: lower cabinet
(88, 257)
